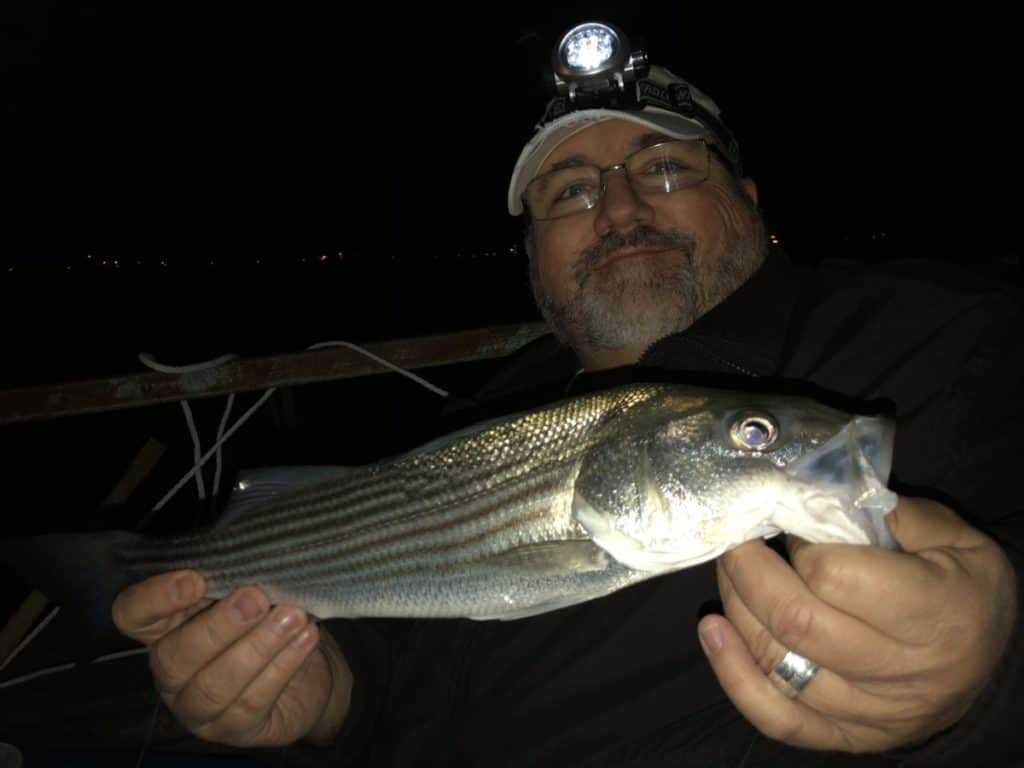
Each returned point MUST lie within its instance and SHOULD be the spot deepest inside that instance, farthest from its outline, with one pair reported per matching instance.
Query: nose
(620, 208)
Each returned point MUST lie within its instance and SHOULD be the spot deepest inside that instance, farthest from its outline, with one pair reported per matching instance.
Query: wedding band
(792, 674)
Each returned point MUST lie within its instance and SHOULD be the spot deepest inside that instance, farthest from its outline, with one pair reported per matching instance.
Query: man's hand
(905, 640)
(236, 672)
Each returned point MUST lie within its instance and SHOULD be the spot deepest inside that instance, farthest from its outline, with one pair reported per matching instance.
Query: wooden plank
(21, 623)
(251, 374)
(140, 468)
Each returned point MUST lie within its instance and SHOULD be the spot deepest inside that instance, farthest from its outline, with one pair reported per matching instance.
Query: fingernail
(283, 621)
(303, 641)
(711, 638)
(245, 608)
(184, 589)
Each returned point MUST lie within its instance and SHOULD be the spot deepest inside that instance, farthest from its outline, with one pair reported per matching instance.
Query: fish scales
(428, 512)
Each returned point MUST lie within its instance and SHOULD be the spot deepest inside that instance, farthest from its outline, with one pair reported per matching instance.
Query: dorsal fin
(256, 486)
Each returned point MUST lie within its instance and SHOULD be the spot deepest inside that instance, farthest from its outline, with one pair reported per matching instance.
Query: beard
(635, 301)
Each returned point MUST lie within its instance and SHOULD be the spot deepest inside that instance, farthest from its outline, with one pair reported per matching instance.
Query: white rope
(220, 442)
(408, 374)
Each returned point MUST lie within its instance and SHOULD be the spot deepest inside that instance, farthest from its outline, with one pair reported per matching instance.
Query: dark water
(63, 325)
(90, 322)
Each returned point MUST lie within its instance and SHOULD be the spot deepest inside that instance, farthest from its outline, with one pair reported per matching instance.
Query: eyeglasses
(666, 167)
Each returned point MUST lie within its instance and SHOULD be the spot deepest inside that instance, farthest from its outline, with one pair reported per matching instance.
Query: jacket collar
(743, 335)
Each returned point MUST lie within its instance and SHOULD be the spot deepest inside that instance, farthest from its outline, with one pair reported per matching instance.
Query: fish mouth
(854, 466)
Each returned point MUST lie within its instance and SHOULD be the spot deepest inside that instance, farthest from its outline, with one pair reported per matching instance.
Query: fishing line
(149, 731)
(38, 673)
(223, 437)
(29, 638)
(147, 359)
(220, 441)
(206, 457)
(69, 666)
(397, 369)
(196, 450)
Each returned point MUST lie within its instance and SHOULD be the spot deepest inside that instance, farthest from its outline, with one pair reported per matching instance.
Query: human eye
(574, 189)
(664, 165)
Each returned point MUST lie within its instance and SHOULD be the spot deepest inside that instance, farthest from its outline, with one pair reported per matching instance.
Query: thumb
(919, 524)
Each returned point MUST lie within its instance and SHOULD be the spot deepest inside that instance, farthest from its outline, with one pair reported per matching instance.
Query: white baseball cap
(552, 132)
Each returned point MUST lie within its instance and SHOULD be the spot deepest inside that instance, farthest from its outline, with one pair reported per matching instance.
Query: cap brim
(554, 133)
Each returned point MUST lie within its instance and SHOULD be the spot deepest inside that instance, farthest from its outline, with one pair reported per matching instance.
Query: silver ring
(793, 673)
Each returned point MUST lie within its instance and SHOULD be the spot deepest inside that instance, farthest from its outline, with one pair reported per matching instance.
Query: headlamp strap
(675, 97)
(678, 98)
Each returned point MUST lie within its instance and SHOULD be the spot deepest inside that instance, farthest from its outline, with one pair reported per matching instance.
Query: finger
(890, 591)
(756, 697)
(783, 610)
(146, 610)
(920, 524)
(216, 688)
(829, 693)
(257, 716)
(179, 655)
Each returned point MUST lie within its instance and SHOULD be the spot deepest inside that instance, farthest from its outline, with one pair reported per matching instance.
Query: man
(648, 258)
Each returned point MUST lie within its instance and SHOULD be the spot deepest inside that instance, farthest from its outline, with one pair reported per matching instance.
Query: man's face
(613, 280)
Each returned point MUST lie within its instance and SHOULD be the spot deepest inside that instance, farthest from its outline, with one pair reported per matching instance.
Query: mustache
(640, 237)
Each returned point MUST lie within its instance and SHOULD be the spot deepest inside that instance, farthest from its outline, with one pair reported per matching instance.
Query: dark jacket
(621, 680)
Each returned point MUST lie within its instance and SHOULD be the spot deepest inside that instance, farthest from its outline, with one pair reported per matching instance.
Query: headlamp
(593, 66)
(597, 76)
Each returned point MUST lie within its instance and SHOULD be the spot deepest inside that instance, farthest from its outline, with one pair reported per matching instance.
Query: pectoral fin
(549, 561)
(552, 558)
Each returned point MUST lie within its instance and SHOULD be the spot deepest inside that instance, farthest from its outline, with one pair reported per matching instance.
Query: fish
(531, 512)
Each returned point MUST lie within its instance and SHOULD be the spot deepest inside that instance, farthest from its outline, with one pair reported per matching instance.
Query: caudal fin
(80, 572)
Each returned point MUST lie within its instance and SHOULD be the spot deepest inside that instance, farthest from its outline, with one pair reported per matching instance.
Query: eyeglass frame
(709, 149)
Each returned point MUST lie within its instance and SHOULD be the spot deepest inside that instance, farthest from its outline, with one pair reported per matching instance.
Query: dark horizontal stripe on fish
(297, 517)
(325, 569)
(332, 546)
(345, 555)
(281, 525)
(224, 551)
(511, 447)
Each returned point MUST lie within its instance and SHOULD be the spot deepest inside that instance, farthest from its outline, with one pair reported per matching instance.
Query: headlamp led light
(593, 65)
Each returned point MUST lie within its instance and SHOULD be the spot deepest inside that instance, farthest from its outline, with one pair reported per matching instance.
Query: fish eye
(754, 432)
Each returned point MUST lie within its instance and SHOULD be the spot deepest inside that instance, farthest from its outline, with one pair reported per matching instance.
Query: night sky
(236, 133)
(238, 129)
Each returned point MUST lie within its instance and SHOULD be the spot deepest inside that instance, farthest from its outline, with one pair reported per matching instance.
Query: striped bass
(539, 510)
